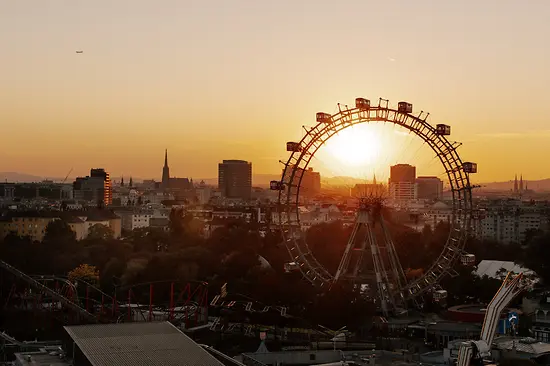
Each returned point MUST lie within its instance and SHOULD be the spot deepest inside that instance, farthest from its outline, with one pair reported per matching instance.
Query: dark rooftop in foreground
(135, 344)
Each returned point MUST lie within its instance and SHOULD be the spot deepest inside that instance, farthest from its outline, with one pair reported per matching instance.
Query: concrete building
(44, 190)
(510, 222)
(235, 179)
(137, 344)
(402, 182)
(94, 188)
(34, 223)
(430, 188)
(134, 219)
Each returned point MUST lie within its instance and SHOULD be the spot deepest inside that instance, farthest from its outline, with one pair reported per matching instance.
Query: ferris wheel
(392, 289)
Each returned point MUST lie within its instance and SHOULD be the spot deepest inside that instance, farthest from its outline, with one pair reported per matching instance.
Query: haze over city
(217, 80)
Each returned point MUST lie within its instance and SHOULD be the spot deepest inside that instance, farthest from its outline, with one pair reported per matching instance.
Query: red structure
(183, 303)
(472, 313)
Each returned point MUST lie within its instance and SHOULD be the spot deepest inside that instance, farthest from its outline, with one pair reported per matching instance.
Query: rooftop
(135, 344)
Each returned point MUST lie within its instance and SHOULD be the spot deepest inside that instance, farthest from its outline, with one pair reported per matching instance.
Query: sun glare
(356, 146)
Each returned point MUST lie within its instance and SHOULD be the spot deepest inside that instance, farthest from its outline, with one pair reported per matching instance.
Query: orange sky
(237, 79)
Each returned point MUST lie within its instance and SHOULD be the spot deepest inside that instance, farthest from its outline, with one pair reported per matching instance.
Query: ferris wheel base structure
(458, 174)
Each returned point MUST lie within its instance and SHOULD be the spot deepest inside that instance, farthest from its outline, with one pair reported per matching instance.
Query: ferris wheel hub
(301, 153)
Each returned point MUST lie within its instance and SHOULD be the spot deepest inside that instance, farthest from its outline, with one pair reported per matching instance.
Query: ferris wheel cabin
(468, 259)
(404, 107)
(323, 117)
(440, 295)
(362, 103)
(291, 267)
(443, 130)
(293, 146)
(469, 167)
(276, 185)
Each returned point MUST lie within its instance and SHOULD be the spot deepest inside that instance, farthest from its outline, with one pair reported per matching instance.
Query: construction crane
(63, 182)
(471, 353)
(67, 176)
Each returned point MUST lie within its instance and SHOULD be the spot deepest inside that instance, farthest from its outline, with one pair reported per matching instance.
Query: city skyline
(236, 81)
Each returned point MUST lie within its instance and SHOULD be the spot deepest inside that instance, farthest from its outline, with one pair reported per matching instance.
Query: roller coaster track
(44, 289)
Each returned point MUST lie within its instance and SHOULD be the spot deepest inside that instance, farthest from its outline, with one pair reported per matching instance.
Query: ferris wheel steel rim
(317, 136)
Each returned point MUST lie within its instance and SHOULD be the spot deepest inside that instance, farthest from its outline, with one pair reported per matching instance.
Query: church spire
(521, 183)
(165, 171)
(374, 179)
(516, 184)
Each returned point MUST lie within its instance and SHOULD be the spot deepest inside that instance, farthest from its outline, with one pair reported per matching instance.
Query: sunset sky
(236, 79)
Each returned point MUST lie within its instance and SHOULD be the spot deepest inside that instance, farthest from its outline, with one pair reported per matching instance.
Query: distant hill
(22, 177)
(262, 180)
(536, 185)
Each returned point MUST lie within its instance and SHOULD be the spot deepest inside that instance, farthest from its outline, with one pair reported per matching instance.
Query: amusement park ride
(369, 245)
(473, 352)
(393, 291)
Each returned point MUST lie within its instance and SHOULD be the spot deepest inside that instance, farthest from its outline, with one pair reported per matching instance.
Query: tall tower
(521, 184)
(516, 184)
(165, 171)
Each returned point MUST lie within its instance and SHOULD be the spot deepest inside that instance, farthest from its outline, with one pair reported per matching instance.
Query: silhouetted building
(310, 184)
(96, 187)
(166, 171)
(402, 181)
(44, 190)
(429, 188)
(181, 186)
(235, 179)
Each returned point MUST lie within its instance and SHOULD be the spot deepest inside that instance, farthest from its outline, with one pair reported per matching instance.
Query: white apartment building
(403, 191)
(510, 226)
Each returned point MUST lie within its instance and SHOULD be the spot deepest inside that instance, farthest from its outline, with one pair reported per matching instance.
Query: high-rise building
(310, 184)
(235, 179)
(97, 187)
(430, 188)
(402, 182)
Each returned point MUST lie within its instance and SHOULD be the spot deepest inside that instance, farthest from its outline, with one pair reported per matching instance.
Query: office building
(430, 188)
(235, 179)
(402, 182)
(94, 188)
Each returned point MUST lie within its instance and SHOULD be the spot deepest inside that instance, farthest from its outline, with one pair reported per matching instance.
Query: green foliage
(100, 232)
(231, 254)
(59, 233)
(86, 273)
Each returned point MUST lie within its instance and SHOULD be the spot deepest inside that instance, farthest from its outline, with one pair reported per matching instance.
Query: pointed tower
(131, 184)
(122, 182)
(521, 184)
(516, 184)
(165, 171)
(374, 179)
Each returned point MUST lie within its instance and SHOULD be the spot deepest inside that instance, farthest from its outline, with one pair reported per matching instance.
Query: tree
(100, 232)
(59, 233)
(86, 273)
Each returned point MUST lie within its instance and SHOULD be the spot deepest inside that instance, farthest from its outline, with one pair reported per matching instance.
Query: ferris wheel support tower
(389, 281)
(390, 291)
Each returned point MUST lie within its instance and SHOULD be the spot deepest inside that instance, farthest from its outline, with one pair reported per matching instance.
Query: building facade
(402, 182)
(430, 188)
(235, 179)
(96, 187)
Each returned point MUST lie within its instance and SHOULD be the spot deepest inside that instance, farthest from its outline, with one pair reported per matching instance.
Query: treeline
(233, 254)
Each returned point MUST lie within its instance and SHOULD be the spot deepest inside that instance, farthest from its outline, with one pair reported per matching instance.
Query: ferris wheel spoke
(390, 279)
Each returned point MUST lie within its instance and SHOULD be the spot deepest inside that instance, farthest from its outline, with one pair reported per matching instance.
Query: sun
(355, 147)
